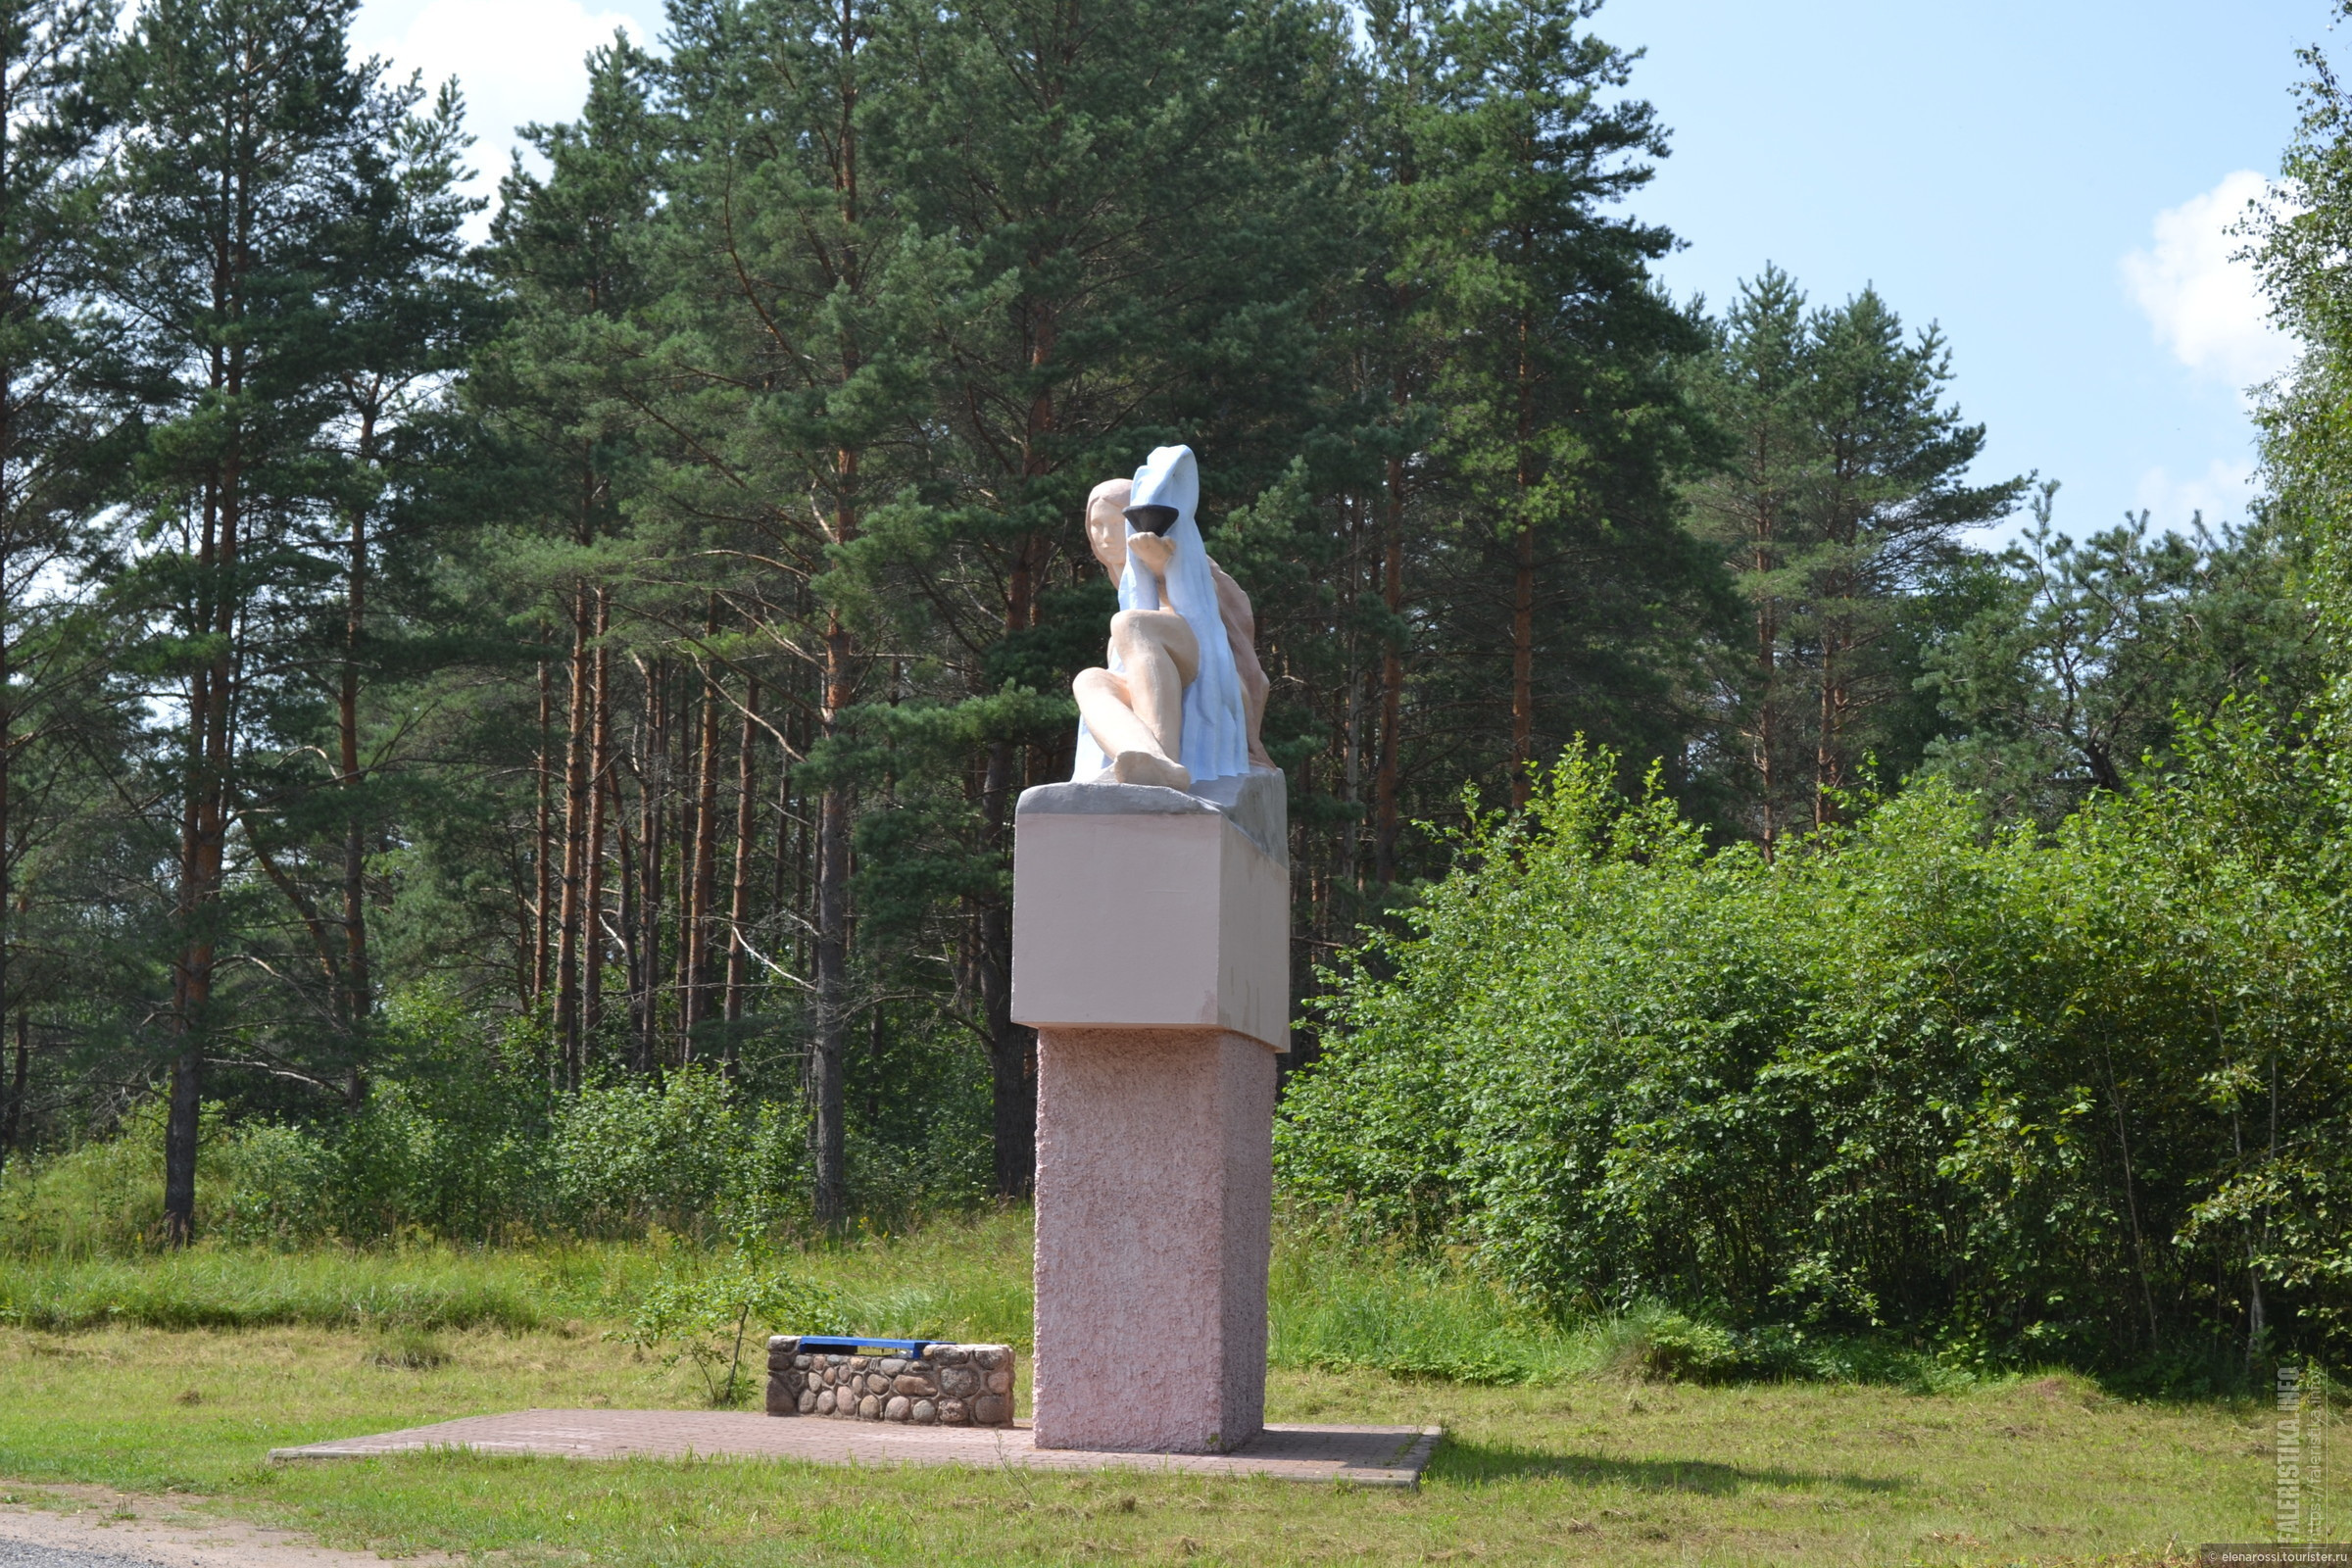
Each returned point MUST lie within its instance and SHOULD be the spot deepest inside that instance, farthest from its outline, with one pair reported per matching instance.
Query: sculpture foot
(1141, 768)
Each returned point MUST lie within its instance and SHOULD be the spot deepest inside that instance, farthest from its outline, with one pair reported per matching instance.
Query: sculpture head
(1107, 524)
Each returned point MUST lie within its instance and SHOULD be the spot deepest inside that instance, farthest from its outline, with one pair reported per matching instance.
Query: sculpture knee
(1143, 635)
(1130, 632)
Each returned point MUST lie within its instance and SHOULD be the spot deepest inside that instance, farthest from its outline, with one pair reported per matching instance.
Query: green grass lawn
(1585, 1467)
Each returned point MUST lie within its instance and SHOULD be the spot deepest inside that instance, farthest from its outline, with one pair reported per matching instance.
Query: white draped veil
(1216, 721)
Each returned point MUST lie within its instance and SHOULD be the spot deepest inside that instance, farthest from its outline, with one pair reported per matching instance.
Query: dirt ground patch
(168, 1531)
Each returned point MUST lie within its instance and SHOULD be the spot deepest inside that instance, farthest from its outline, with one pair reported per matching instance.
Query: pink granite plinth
(1151, 952)
(1154, 1205)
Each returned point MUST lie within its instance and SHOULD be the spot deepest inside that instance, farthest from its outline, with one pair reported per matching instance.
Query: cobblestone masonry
(946, 1386)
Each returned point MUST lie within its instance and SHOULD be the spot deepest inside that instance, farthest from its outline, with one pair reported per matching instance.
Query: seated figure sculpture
(1183, 694)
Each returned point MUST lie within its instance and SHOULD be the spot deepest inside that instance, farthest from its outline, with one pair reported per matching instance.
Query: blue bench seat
(859, 1344)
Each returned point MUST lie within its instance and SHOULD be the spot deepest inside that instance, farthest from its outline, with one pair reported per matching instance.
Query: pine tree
(1840, 508)
(249, 144)
(407, 312)
(54, 425)
(568, 251)
(1758, 508)
(794, 370)
(2083, 659)
(1894, 498)
(1563, 420)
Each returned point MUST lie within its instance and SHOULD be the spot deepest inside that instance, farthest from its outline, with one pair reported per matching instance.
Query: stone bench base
(947, 1385)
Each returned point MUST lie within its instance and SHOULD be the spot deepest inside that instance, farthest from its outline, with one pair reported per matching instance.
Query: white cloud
(2203, 300)
(516, 61)
(2221, 493)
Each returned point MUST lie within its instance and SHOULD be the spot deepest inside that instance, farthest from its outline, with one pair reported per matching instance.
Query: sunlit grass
(181, 1373)
(1590, 1469)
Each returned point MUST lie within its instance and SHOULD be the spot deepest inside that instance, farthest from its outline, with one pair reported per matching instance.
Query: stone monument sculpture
(1150, 951)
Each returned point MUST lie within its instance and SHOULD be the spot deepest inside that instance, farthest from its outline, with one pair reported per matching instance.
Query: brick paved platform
(1366, 1456)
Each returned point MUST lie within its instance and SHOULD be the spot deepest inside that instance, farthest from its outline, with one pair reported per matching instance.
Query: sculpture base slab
(1154, 1227)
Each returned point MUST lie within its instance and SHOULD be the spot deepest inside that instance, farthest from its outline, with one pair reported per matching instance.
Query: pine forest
(512, 708)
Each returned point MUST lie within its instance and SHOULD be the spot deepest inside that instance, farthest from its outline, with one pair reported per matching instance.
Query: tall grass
(106, 1199)
(962, 1280)
(1333, 1307)
(224, 1288)
(1337, 1308)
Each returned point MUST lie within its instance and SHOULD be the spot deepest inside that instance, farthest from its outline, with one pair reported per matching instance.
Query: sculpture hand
(1151, 552)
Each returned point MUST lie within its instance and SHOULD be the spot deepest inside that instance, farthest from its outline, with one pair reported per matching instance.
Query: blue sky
(1994, 166)
(2049, 181)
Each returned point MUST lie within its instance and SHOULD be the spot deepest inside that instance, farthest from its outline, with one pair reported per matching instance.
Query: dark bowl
(1151, 519)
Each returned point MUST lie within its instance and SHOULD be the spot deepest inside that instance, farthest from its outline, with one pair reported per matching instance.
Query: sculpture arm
(1240, 635)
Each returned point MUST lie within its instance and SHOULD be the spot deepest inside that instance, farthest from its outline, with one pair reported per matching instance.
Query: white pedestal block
(1152, 953)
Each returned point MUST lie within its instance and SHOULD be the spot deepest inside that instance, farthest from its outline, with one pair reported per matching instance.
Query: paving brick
(1366, 1456)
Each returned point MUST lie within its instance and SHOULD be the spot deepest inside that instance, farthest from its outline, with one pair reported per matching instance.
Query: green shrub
(633, 1154)
(1917, 1078)
(106, 1199)
(687, 1153)
(706, 1311)
(1654, 1341)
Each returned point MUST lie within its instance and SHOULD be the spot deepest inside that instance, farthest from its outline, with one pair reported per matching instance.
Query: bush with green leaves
(439, 1150)
(705, 1310)
(684, 1153)
(2082, 1095)
(261, 1182)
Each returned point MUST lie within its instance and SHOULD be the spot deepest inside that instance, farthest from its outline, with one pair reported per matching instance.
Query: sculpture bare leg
(1134, 752)
(1138, 718)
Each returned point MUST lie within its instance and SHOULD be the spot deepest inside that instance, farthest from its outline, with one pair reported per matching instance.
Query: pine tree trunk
(1012, 1049)
(19, 1085)
(1351, 684)
(179, 1136)
(358, 990)
(576, 841)
(204, 840)
(698, 967)
(651, 792)
(600, 779)
(687, 792)
(828, 1057)
(1385, 822)
(542, 846)
(739, 902)
(631, 946)
(1523, 664)
(1523, 591)
(836, 806)
(826, 1061)
(789, 880)
(1827, 774)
